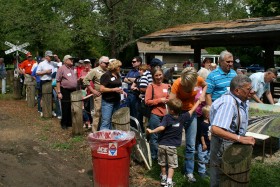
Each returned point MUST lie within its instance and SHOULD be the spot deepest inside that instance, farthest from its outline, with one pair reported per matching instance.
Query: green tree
(264, 8)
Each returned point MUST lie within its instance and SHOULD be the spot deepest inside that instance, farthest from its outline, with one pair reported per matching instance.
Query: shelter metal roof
(252, 31)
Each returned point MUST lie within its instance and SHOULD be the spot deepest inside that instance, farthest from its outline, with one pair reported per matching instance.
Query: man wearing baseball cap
(25, 70)
(66, 83)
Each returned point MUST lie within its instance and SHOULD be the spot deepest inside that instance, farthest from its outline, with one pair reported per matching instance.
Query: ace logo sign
(102, 150)
(113, 149)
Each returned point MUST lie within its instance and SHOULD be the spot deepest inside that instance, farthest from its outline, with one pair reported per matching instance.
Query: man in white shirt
(261, 84)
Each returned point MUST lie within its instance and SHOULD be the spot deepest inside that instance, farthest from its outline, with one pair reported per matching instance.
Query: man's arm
(231, 136)
(269, 97)
(208, 99)
(89, 77)
(256, 98)
(129, 80)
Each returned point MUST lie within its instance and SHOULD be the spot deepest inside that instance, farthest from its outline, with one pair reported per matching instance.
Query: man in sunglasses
(129, 79)
(261, 84)
(218, 80)
(92, 81)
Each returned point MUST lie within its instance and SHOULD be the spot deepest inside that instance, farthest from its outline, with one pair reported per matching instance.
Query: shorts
(169, 154)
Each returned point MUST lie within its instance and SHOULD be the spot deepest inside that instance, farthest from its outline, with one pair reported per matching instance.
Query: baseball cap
(81, 61)
(28, 54)
(156, 62)
(66, 57)
(86, 61)
(48, 53)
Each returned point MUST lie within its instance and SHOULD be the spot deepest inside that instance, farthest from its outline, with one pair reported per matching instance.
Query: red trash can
(111, 157)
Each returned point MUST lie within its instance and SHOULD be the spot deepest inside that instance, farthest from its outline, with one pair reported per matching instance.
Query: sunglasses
(107, 63)
(134, 61)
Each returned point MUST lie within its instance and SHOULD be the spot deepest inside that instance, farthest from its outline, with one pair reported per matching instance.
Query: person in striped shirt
(218, 80)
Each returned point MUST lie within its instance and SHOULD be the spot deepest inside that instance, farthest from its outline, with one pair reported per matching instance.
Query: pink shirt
(160, 91)
(67, 77)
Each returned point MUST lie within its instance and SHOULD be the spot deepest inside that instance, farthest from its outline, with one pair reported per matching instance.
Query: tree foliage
(91, 28)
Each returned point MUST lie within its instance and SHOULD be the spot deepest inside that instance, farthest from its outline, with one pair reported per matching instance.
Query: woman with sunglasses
(110, 87)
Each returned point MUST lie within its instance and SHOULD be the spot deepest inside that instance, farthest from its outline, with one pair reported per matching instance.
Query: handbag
(145, 109)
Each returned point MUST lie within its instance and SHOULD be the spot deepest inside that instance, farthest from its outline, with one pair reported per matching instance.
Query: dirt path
(36, 152)
(28, 154)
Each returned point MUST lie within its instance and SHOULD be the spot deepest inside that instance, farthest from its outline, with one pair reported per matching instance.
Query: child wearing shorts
(171, 128)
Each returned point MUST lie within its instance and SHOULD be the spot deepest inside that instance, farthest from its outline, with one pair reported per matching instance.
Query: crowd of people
(195, 102)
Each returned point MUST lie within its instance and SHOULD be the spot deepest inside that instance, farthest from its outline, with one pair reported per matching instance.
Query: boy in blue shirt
(171, 129)
(204, 142)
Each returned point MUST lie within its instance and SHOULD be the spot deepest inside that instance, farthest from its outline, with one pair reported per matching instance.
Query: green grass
(265, 175)
(62, 146)
(261, 174)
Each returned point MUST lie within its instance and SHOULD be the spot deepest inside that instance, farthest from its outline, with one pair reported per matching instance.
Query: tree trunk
(17, 94)
(236, 162)
(47, 99)
(30, 91)
(77, 112)
(121, 119)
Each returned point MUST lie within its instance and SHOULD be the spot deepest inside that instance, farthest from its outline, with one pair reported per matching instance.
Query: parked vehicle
(255, 68)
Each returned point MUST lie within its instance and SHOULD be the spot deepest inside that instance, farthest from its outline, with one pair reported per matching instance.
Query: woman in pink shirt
(156, 96)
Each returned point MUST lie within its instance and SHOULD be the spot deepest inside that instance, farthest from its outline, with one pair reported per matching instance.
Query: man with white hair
(93, 78)
(218, 80)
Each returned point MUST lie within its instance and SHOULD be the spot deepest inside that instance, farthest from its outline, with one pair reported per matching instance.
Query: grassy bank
(261, 174)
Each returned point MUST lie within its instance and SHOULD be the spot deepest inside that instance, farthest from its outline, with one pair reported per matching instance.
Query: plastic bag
(103, 138)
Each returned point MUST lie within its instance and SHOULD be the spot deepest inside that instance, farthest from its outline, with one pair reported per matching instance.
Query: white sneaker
(59, 117)
(190, 177)
(41, 114)
(54, 114)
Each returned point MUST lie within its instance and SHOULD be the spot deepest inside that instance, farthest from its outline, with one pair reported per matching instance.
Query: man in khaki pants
(94, 76)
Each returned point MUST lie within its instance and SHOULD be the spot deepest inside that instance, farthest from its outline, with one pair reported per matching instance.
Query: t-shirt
(109, 81)
(153, 96)
(187, 98)
(27, 65)
(67, 77)
(172, 135)
(134, 73)
(218, 82)
(204, 128)
(258, 84)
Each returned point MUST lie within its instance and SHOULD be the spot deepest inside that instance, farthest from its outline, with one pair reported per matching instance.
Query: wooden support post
(77, 112)
(30, 91)
(236, 162)
(17, 91)
(47, 99)
(121, 119)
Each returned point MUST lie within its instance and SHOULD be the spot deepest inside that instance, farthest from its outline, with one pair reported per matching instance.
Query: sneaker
(53, 114)
(171, 184)
(85, 126)
(190, 177)
(41, 114)
(203, 175)
(89, 126)
(59, 117)
(163, 181)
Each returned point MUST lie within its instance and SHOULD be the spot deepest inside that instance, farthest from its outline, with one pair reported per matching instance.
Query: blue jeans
(190, 130)
(39, 96)
(203, 158)
(154, 121)
(131, 103)
(57, 105)
(107, 110)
